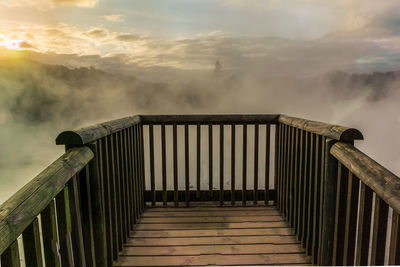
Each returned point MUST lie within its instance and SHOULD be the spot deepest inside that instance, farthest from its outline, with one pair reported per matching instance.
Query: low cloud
(114, 18)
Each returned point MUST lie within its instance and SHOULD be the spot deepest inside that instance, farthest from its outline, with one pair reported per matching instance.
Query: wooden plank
(379, 232)
(25, 205)
(187, 182)
(213, 249)
(76, 223)
(255, 182)
(175, 163)
(221, 164)
(164, 165)
(221, 260)
(394, 255)
(210, 160)
(10, 256)
(204, 241)
(239, 213)
(267, 161)
(244, 166)
(351, 220)
(151, 152)
(32, 246)
(64, 228)
(210, 207)
(364, 225)
(50, 238)
(213, 233)
(233, 153)
(340, 214)
(197, 219)
(49, 225)
(238, 225)
(198, 159)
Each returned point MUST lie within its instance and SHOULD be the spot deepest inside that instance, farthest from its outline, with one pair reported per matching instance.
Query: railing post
(329, 203)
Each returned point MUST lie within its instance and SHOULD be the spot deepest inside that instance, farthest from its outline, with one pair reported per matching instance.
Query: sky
(349, 35)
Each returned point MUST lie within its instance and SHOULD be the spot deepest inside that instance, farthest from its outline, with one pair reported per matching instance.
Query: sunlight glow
(13, 44)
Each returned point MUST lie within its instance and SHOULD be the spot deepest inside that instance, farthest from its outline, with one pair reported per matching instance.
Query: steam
(37, 101)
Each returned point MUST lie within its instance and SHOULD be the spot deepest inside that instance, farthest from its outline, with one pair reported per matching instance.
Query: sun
(13, 44)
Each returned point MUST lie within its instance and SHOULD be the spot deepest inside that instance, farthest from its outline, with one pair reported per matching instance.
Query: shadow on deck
(208, 234)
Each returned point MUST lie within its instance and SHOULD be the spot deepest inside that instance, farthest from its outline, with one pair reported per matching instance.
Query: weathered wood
(213, 213)
(151, 152)
(210, 160)
(317, 194)
(300, 177)
(255, 182)
(90, 134)
(379, 232)
(198, 159)
(221, 164)
(76, 223)
(306, 166)
(244, 166)
(164, 165)
(233, 153)
(335, 132)
(64, 228)
(295, 176)
(32, 246)
(24, 206)
(291, 178)
(175, 163)
(394, 255)
(364, 225)
(141, 166)
(209, 119)
(311, 196)
(10, 256)
(87, 224)
(121, 184)
(50, 238)
(187, 182)
(267, 161)
(340, 214)
(238, 225)
(216, 218)
(384, 183)
(321, 198)
(329, 204)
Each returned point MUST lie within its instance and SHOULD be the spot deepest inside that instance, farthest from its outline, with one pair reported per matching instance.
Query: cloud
(48, 4)
(128, 37)
(114, 18)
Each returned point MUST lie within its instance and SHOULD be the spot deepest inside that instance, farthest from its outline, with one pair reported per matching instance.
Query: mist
(38, 100)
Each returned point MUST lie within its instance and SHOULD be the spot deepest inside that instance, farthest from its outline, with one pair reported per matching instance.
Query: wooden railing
(81, 209)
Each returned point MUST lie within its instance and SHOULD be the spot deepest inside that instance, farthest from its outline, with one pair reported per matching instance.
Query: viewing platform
(196, 190)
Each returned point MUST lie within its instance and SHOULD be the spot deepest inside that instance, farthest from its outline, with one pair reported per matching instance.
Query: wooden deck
(212, 235)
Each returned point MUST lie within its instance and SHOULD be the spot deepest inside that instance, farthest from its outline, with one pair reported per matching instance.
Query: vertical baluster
(127, 176)
(306, 164)
(137, 178)
(198, 158)
(175, 163)
(244, 174)
(187, 184)
(97, 209)
(267, 161)
(164, 165)
(317, 192)
(233, 150)
(114, 196)
(133, 173)
(280, 163)
(321, 199)
(64, 228)
(364, 225)
(283, 173)
(141, 165)
(340, 214)
(151, 152)
(351, 220)
(118, 144)
(311, 197)
(76, 222)
(210, 161)
(221, 164)
(50, 238)
(49, 226)
(379, 232)
(32, 246)
(394, 255)
(10, 257)
(291, 178)
(300, 212)
(255, 186)
(295, 179)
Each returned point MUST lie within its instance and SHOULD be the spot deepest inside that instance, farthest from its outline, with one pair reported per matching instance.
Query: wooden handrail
(89, 134)
(335, 132)
(210, 119)
(384, 183)
(24, 206)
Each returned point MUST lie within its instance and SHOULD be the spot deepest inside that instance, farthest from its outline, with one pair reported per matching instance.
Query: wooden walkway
(212, 235)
